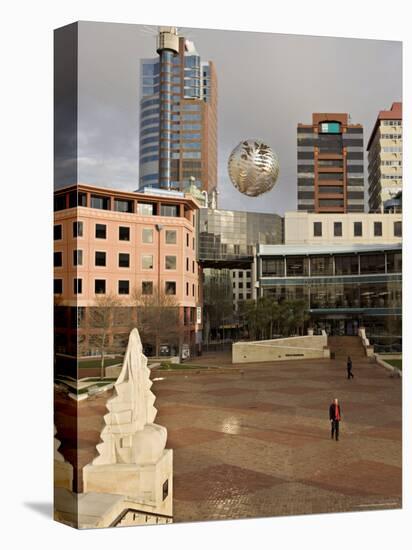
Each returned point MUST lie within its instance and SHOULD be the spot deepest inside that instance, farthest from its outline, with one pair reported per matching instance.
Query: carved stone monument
(63, 470)
(132, 460)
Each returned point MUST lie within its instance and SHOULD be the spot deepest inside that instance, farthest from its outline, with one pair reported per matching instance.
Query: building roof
(306, 250)
(394, 113)
(171, 196)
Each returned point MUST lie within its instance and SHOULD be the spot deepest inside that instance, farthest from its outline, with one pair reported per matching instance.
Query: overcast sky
(267, 83)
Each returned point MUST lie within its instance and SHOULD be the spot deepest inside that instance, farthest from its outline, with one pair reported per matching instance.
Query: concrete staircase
(342, 346)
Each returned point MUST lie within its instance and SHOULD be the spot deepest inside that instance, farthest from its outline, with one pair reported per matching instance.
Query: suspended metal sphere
(253, 167)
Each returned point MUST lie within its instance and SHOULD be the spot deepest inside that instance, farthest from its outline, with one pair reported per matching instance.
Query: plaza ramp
(281, 349)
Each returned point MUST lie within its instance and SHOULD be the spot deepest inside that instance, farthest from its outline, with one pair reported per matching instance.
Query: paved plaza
(255, 441)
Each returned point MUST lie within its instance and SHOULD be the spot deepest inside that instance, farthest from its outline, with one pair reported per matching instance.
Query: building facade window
(145, 209)
(357, 229)
(170, 210)
(124, 259)
(77, 257)
(58, 286)
(337, 229)
(170, 236)
(100, 259)
(346, 265)
(124, 233)
(147, 288)
(397, 229)
(124, 287)
(147, 235)
(170, 262)
(100, 286)
(187, 289)
(77, 229)
(377, 229)
(101, 231)
(147, 261)
(77, 286)
(170, 287)
(317, 229)
(57, 259)
(101, 203)
(57, 232)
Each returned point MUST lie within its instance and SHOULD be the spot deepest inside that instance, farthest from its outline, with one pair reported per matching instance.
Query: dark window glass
(193, 266)
(57, 232)
(321, 265)
(187, 239)
(337, 229)
(101, 203)
(377, 229)
(241, 285)
(357, 229)
(124, 233)
(77, 286)
(121, 205)
(77, 229)
(187, 264)
(57, 259)
(147, 287)
(59, 202)
(397, 229)
(394, 262)
(273, 268)
(170, 287)
(317, 229)
(100, 286)
(124, 287)
(169, 210)
(101, 231)
(58, 286)
(124, 260)
(372, 263)
(170, 262)
(346, 265)
(297, 266)
(100, 258)
(187, 289)
(193, 289)
(77, 257)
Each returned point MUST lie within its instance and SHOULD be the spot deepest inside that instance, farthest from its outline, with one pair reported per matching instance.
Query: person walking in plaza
(335, 418)
(349, 368)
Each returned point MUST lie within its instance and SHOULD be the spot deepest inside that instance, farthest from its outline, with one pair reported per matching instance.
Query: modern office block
(330, 164)
(385, 159)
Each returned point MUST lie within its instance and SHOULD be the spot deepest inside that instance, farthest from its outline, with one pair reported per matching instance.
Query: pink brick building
(123, 244)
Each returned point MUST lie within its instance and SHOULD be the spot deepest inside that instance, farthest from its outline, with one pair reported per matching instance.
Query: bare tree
(158, 317)
(101, 317)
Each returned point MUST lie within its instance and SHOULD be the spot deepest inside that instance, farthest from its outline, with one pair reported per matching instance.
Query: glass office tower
(178, 117)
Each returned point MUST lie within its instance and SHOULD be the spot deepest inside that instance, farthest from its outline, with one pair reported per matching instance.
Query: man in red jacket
(335, 417)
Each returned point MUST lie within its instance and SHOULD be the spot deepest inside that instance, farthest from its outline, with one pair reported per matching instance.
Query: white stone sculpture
(130, 435)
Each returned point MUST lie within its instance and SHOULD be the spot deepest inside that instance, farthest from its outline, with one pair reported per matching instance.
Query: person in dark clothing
(349, 368)
(335, 417)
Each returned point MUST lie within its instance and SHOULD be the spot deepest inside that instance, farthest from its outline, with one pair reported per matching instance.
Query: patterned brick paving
(257, 443)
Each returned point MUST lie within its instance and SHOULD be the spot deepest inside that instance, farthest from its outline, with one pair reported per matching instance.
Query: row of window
(327, 265)
(124, 233)
(241, 296)
(240, 285)
(100, 260)
(123, 287)
(358, 229)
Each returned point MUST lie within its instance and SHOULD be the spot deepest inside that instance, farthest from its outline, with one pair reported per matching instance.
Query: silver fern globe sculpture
(253, 167)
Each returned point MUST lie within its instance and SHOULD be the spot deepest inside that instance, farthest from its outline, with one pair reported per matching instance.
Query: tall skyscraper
(330, 164)
(385, 158)
(178, 116)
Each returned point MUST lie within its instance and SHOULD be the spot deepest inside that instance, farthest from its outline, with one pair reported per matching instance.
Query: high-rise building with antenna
(178, 116)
